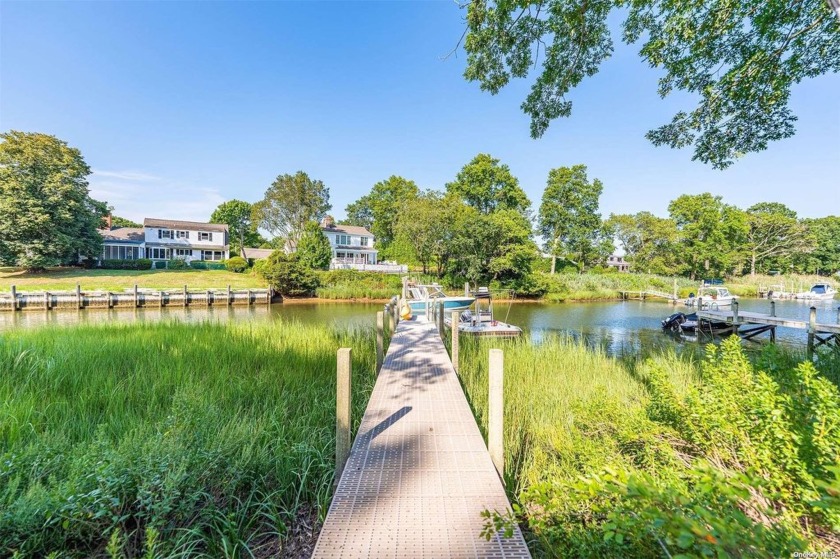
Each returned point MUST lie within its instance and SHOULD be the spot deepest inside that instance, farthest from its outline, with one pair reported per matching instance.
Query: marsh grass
(210, 436)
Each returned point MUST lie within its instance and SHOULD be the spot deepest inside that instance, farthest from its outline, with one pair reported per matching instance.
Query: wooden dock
(748, 325)
(419, 474)
(650, 293)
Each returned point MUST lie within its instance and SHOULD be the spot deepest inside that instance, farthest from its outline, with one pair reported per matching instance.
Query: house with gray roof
(352, 246)
(166, 239)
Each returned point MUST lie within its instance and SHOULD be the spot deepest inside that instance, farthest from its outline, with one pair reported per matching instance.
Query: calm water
(619, 327)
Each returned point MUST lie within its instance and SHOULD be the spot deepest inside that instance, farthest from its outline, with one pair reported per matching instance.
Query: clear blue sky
(179, 106)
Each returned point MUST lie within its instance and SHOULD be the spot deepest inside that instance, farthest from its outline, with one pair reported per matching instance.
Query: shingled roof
(185, 225)
(348, 229)
(123, 234)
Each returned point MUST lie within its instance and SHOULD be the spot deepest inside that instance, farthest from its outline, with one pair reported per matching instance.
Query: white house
(351, 245)
(165, 239)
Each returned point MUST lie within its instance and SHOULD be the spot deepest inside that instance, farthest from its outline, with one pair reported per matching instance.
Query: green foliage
(314, 250)
(651, 243)
(177, 264)
(488, 186)
(139, 264)
(379, 210)
(47, 217)
(207, 265)
(242, 229)
(665, 458)
(169, 439)
(289, 204)
(117, 221)
(569, 220)
(825, 256)
(739, 58)
(236, 264)
(774, 236)
(287, 275)
(355, 284)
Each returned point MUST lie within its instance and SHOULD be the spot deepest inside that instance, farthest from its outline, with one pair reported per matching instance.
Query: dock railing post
(441, 327)
(393, 316)
(380, 326)
(735, 325)
(466, 289)
(136, 297)
(812, 328)
(772, 308)
(456, 315)
(495, 427)
(185, 297)
(46, 300)
(15, 303)
(78, 296)
(342, 411)
(230, 296)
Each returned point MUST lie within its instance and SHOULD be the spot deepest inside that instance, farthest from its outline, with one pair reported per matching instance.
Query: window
(182, 234)
(212, 255)
(120, 252)
(364, 241)
(158, 253)
(204, 236)
(183, 252)
(165, 234)
(342, 239)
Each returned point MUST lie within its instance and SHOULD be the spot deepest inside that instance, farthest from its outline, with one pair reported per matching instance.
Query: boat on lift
(480, 320)
(422, 296)
(818, 292)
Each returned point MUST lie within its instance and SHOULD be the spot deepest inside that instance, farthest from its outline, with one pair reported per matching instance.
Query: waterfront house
(352, 246)
(617, 261)
(165, 239)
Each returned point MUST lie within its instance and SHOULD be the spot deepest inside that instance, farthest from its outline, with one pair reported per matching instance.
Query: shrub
(207, 265)
(236, 264)
(139, 264)
(177, 264)
(287, 275)
(314, 249)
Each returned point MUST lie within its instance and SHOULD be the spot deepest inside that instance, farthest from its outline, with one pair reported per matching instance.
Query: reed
(207, 438)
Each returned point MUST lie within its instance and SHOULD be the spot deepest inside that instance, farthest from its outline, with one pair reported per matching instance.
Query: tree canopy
(47, 216)
(739, 59)
(774, 235)
(378, 210)
(289, 204)
(117, 221)
(314, 250)
(488, 186)
(238, 216)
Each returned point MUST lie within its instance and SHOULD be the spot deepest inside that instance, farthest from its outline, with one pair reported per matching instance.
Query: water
(619, 327)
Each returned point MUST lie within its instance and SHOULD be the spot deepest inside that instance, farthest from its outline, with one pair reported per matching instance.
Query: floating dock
(419, 474)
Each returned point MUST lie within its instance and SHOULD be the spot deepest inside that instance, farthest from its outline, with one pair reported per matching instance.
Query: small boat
(421, 296)
(711, 298)
(818, 291)
(778, 292)
(681, 323)
(480, 321)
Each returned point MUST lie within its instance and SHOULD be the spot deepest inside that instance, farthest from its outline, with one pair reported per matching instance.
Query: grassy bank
(350, 285)
(168, 439)
(667, 457)
(66, 279)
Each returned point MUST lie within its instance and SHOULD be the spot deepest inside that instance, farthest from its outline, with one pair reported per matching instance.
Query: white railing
(342, 264)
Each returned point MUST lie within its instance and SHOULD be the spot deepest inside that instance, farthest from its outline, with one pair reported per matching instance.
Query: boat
(819, 292)
(711, 298)
(681, 323)
(480, 320)
(778, 292)
(422, 296)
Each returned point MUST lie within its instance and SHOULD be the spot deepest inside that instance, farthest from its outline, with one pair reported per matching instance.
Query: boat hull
(449, 304)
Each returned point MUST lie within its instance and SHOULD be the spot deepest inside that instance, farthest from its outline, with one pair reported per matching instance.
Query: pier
(135, 297)
(419, 474)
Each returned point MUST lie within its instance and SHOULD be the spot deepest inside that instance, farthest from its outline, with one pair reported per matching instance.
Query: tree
(650, 242)
(774, 233)
(711, 233)
(378, 210)
(825, 237)
(47, 216)
(117, 221)
(289, 204)
(739, 58)
(314, 250)
(287, 275)
(488, 187)
(568, 218)
(238, 216)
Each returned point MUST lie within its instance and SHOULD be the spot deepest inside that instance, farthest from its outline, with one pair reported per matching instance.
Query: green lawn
(66, 279)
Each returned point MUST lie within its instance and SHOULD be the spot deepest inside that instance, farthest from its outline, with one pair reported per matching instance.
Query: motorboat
(480, 320)
(711, 298)
(422, 296)
(681, 323)
(819, 292)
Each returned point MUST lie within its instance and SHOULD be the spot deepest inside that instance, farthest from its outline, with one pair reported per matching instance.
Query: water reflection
(620, 328)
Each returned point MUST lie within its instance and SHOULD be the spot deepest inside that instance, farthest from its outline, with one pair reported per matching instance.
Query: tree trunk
(553, 262)
(752, 265)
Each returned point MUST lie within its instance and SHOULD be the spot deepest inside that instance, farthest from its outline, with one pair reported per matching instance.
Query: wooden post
(46, 301)
(772, 308)
(230, 298)
(441, 327)
(342, 411)
(456, 315)
(699, 303)
(466, 289)
(495, 428)
(207, 298)
(392, 319)
(812, 328)
(249, 297)
(380, 352)
(15, 303)
(136, 297)
(108, 299)
(268, 295)
(185, 297)
(735, 324)
(78, 296)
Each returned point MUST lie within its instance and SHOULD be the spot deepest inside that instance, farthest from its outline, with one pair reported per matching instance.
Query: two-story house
(165, 239)
(350, 244)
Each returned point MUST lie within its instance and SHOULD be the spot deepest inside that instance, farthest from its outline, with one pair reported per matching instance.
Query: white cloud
(136, 195)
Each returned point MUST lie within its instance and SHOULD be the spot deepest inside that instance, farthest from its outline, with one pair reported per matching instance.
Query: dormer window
(182, 234)
(205, 236)
(165, 234)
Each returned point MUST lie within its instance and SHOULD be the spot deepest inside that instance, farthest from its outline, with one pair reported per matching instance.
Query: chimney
(108, 222)
(328, 222)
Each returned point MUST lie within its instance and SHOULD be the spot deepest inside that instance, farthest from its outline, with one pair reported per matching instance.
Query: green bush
(177, 264)
(138, 264)
(287, 275)
(207, 265)
(236, 264)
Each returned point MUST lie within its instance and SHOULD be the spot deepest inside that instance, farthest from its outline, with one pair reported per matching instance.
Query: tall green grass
(188, 439)
(668, 456)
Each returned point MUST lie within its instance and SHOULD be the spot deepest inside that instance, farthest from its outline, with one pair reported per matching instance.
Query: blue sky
(179, 106)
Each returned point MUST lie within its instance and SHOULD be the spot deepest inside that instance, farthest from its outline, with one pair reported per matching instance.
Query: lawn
(66, 279)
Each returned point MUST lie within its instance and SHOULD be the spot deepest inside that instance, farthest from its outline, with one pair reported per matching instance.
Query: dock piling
(812, 328)
(456, 350)
(440, 323)
(46, 300)
(393, 316)
(136, 297)
(466, 289)
(78, 296)
(15, 304)
(380, 326)
(230, 296)
(184, 302)
(342, 411)
(772, 308)
(495, 428)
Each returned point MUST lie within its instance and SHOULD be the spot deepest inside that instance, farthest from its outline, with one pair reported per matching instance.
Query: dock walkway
(769, 320)
(419, 474)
